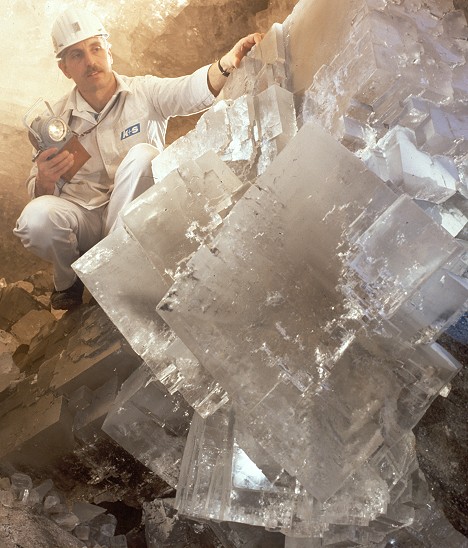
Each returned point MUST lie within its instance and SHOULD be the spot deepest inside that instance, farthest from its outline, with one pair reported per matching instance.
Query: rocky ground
(442, 443)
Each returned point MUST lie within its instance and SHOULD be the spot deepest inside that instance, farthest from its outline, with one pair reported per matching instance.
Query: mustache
(92, 69)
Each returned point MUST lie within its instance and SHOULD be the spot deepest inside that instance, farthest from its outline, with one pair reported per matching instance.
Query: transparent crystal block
(262, 67)
(86, 511)
(452, 219)
(20, 484)
(173, 218)
(282, 394)
(150, 424)
(220, 481)
(120, 541)
(131, 302)
(389, 259)
(236, 130)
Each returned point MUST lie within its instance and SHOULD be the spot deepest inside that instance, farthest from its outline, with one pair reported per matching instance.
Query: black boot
(68, 298)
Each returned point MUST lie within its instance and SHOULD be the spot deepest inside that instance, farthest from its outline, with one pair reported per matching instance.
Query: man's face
(88, 64)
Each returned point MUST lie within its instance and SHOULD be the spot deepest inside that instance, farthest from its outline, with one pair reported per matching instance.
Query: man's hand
(230, 61)
(50, 168)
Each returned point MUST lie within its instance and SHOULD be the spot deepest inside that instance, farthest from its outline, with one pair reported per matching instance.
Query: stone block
(15, 302)
(93, 370)
(31, 324)
(38, 435)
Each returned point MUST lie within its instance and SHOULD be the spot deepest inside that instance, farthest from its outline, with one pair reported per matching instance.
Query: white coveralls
(130, 132)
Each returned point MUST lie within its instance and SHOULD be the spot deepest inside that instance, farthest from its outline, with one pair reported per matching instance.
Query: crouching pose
(121, 122)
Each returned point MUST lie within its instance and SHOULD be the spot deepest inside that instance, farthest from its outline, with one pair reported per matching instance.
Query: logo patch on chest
(132, 130)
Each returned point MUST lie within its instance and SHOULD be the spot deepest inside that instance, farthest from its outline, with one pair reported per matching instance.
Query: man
(121, 122)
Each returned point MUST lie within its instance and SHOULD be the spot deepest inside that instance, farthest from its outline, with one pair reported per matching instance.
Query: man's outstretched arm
(220, 70)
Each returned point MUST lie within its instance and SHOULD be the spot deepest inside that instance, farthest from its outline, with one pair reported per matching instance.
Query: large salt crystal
(174, 217)
(220, 481)
(437, 304)
(389, 260)
(447, 215)
(131, 302)
(394, 52)
(284, 379)
(276, 123)
(419, 175)
(150, 424)
(263, 67)
(239, 131)
(313, 304)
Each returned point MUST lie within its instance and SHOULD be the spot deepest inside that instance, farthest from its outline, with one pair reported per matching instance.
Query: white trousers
(59, 231)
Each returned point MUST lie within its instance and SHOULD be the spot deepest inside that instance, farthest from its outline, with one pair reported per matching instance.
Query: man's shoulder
(141, 86)
(63, 104)
(133, 81)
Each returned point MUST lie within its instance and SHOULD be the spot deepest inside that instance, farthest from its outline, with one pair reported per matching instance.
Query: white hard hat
(73, 26)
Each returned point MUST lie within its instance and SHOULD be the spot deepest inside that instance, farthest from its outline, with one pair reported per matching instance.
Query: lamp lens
(57, 129)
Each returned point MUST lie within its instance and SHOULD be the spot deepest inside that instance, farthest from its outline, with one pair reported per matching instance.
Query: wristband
(223, 72)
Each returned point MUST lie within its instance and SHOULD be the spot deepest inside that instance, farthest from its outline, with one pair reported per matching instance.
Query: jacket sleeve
(31, 184)
(180, 96)
(31, 181)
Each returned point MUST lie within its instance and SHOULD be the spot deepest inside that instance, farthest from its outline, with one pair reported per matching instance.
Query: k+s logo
(132, 130)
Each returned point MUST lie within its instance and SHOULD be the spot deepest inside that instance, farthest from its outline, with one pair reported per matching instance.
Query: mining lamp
(46, 130)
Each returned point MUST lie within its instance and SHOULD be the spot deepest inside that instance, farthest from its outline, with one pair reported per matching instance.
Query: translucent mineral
(150, 424)
(447, 215)
(238, 130)
(52, 502)
(301, 283)
(219, 480)
(286, 379)
(131, 304)
(103, 528)
(43, 488)
(66, 520)
(21, 484)
(261, 68)
(120, 541)
(173, 218)
(82, 532)
(419, 175)
(86, 512)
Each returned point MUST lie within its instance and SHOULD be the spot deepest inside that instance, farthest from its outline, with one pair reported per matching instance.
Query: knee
(39, 222)
(139, 157)
(143, 152)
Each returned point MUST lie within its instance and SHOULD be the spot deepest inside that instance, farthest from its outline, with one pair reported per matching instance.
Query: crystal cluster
(265, 494)
(250, 124)
(289, 273)
(403, 109)
(301, 353)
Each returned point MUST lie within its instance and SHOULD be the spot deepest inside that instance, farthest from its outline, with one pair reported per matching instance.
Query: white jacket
(137, 113)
